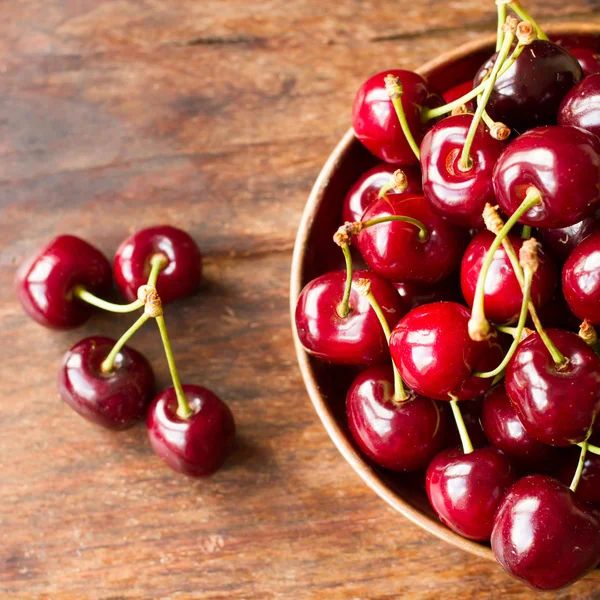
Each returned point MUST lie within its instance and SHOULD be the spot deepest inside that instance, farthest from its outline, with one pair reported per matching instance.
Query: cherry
(562, 241)
(355, 339)
(563, 163)
(503, 295)
(530, 92)
(181, 274)
(588, 489)
(394, 249)
(471, 415)
(557, 403)
(398, 435)
(588, 59)
(436, 357)
(376, 123)
(458, 91)
(543, 535)
(197, 445)
(365, 191)
(116, 399)
(417, 294)
(457, 194)
(504, 429)
(45, 283)
(581, 106)
(466, 489)
(581, 279)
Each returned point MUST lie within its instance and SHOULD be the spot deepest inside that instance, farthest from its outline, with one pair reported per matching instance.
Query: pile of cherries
(458, 309)
(104, 380)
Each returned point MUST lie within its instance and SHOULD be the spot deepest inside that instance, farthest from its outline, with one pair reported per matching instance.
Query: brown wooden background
(215, 116)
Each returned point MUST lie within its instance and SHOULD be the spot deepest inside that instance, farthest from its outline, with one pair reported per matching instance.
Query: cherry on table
(180, 276)
(588, 59)
(197, 445)
(581, 106)
(45, 282)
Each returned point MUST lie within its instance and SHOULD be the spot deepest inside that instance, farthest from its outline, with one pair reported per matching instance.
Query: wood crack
(218, 41)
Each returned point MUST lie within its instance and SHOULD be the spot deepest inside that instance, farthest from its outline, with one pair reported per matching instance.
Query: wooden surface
(215, 116)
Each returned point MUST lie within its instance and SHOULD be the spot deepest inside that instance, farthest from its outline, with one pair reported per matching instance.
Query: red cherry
(458, 91)
(470, 411)
(454, 193)
(588, 59)
(563, 163)
(436, 357)
(356, 339)
(557, 405)
(503, 296)
(417, 294)
(375, 121)
(180, 277)
(44, 283)
(466, 489)
(401, 436)
(581, 106)
(561, 241)
(543, 535)
(588, 488)
(196, 446)
(117, 399)
(365, 191)
(394, 250)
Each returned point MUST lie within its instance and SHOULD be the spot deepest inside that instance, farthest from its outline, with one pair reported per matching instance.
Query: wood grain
(215, 116)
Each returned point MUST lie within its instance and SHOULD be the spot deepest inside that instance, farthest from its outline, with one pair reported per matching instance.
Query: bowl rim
(351, 454)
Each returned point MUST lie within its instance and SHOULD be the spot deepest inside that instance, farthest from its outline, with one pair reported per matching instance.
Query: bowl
(315, 254)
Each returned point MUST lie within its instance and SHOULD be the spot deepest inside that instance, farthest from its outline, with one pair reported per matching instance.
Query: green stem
(506, 329)
(397, 102)
(343, 309)
(590, 448)
(183, 408)
(108, 363)
(462, 429)
(526, 233)
(584, 448)
(423, 234)
(158, 262)
(498, 378)
(489, 122)
(525, 16)
(81, 293)
(501, 21)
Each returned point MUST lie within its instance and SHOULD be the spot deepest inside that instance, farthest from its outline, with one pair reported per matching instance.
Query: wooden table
(215, 116)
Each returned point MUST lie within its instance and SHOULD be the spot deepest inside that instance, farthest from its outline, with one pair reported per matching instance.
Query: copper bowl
(314, 254)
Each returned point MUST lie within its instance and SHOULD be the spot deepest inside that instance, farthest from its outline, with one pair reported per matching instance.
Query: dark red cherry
(436, 357)
(196, 446)
(543, 535)
(416, 294)
(503, 295)
(471, 415)
(458, 91)
(588, 59)
(44, 283)
(179, 278)
(466, 489)
(588, 488)
(394, 251)
(557, 405)
(365, 191)
(581, 279)
(581, 106)
(529, 93)
(556, 314)
(353, 340)
(560, 242)
(117, 399)
(504, 429)
(375, 121)
(563, 163)
(459, 195)
(401, 436)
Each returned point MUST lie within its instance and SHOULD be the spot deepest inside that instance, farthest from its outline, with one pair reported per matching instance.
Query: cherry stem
(158, 262)
(501, 21)
(526, 233)
(393, 86)
(466, 162)
(183, 408)
(422, 236)
(462, 429)
(525, 16)
(81, 293)
(343, 309)
(584, 448)
(489, 122)
(108, 363)
(590, 448)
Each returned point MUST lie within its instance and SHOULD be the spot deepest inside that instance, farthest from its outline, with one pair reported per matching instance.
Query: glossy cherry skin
(179, 278)
(436, 357)
(581, 279)
(115, 400)
(45, 281)
(196, 446)
(556, 407)
(587, 59)
(393, 249)
(454, 193)
(357, 339)
(581, 106)
(529, 93)
(417, 294)
(504, 429)
(563, 163)
(588, 489)
(503, 296)
(543, 535)
(561, 241)
(466, 489)
(400, 436)
(365, 191)
(375, 121)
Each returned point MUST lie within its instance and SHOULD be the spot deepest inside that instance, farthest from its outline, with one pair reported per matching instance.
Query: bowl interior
(316, 254)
